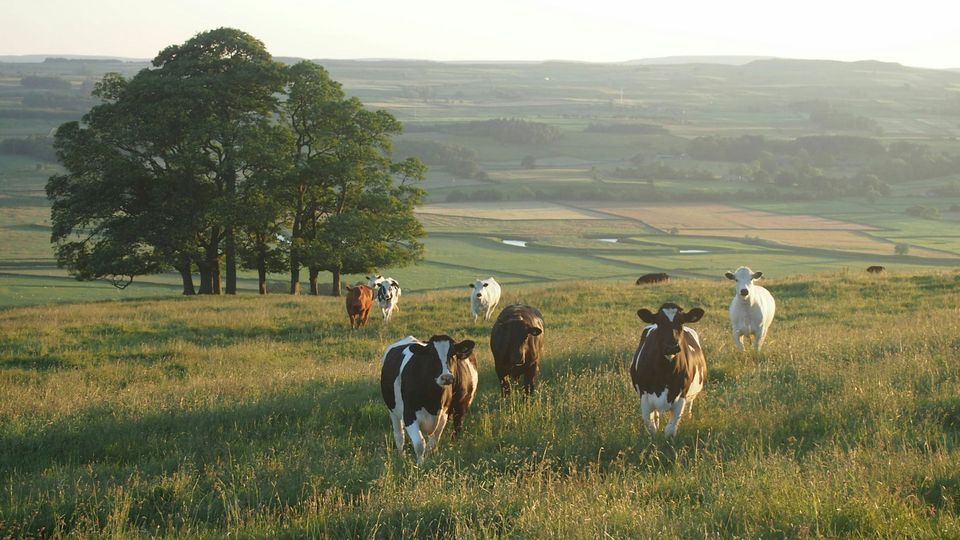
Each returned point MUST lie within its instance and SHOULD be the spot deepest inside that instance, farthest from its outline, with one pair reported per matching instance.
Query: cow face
(445, 352)
(669, 319)
(744, 278)
(478, 287)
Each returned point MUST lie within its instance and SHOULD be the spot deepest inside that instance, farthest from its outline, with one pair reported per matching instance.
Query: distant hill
(673, 60)
(40, 58)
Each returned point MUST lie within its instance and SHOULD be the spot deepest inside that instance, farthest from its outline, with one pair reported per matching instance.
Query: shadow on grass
(40, 363)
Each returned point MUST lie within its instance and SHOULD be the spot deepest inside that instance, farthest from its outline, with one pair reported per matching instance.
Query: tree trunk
(187, 278)
(206, 278)
(336, 283)
(217, 278)
(314, 285)
(294, 273)
(230, 250)
(262, 274)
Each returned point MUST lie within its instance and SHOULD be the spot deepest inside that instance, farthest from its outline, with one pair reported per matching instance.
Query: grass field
(261, 417)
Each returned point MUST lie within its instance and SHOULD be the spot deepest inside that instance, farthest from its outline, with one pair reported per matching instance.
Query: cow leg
(676, 414)
(416, 439)
(398, 432)
(505, 385)
(530, 379)
(434, 438)
(738, 339)
(649, 415)
(759, 336)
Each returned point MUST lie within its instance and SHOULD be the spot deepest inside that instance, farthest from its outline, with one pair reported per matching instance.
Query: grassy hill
(618, 133)
(261, 417)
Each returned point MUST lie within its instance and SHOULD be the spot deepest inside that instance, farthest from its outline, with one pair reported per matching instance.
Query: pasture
(261, 416)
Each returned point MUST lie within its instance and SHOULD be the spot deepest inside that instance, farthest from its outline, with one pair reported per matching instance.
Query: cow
(387, 293)
(668, 369)
(425, 383)
(652, 278)
(876, 269)
(517, 343)
(484, 297)
(359, 301)
(752, 308)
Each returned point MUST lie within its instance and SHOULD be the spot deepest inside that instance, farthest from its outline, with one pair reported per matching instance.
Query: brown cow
(517, 342)
(359, 301)
(876, 269)
(652, 278)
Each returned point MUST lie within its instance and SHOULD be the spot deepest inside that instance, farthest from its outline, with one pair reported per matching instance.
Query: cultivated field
(261, 417)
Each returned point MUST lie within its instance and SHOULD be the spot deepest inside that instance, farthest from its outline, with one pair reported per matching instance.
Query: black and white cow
(386, 292)
(668, 369)
(424, 384)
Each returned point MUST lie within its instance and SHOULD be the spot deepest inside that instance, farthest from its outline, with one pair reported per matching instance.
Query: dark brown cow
(876, 269)
(668, 369)
(652, 278)
(359, 301)
(517, 342)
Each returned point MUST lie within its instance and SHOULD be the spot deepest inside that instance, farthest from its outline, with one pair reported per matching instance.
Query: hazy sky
(922, 33)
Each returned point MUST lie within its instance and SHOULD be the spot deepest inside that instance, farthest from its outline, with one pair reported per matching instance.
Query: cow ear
(471, 285)
(464, 348)
(418, 348)
(646, 316)
(730, 276)
(534, 331)
(368, 277)
(757, 275)
(693, 315)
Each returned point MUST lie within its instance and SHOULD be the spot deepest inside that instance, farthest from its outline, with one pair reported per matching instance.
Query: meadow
(261, 416)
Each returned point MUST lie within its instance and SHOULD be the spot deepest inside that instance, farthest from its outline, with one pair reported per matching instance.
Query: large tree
(226, 83)
(153, 172)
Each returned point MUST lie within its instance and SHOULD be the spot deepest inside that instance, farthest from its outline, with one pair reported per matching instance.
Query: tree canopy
(218, 155)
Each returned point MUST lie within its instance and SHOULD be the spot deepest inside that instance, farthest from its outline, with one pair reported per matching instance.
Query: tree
(154, 170)
(901, 249)
(226, 83)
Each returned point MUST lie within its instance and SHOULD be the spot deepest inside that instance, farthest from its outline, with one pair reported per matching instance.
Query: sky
(922, 33)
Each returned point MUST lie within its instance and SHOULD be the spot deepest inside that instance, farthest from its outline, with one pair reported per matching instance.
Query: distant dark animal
(359, 301)
(517, 343)
(752, 308)
(652, 278)
(875, 269)
(668, 369)
(425, 383)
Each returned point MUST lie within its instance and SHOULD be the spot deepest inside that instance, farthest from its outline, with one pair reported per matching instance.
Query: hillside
(261, 416)
(835, 165)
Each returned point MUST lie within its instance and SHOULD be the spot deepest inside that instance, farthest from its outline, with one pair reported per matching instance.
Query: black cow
(875, 269)
(668, 369)
(424, 383)
(652, 278)
(517, 342)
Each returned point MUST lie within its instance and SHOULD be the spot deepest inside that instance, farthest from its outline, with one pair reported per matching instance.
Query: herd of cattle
(427, 383)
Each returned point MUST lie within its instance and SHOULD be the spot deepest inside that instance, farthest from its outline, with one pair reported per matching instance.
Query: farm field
(261, 416)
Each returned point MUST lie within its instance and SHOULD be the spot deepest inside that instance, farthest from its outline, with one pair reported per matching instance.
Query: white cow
(484, 297)
(752, 308)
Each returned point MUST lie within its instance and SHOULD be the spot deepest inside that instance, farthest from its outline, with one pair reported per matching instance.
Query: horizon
(526, 31)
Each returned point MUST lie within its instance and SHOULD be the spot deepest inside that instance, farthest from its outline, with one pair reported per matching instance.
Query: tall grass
(249, 416)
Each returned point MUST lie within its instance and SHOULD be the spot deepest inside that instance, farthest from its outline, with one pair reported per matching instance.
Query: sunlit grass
(262, 417)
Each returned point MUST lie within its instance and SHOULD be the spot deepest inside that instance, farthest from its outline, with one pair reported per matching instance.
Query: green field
(261, 417)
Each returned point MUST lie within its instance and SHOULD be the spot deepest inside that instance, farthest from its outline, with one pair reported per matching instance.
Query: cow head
(744, 278)
(478, 287)
(516, 332)
(446, 352)
(373, 281)
(669, 319)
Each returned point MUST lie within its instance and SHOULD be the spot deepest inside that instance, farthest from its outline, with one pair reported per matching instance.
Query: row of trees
(219, 158)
